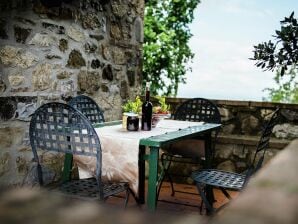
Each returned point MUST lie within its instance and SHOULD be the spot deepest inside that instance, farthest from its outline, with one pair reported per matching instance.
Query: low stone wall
(271, 196)
(234, 152)
(28, 206)
(247, 117)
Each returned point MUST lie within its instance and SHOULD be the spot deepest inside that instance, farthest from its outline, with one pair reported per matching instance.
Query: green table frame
(155, 143)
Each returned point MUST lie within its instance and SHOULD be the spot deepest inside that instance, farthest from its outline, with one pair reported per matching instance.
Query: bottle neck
(147, 95)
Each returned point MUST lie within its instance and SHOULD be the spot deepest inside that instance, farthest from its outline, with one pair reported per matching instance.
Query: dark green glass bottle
(147, 110)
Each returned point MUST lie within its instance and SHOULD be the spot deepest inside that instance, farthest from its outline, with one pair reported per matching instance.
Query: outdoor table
(124, 152)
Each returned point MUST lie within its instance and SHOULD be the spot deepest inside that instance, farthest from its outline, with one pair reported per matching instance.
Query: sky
(224, 33)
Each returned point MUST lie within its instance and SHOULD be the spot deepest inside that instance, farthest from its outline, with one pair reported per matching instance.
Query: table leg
(152, 181)
(141, 195)
(68, 159)
(208, 153)
(208, 165)
(66, 175)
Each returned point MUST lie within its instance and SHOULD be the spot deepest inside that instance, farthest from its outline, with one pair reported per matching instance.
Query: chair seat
(219, 178)
(189, 148)
(89, 188)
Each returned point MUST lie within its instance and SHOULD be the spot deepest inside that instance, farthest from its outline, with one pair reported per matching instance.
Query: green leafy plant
(163, 108)
(133, 106)
(281, 56)
(166, 44)
(286, 90)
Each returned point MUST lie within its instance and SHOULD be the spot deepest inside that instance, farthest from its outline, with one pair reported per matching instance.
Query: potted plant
(131, 109)
(161, 111)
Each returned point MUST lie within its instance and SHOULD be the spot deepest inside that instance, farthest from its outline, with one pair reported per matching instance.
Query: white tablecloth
(120, 150)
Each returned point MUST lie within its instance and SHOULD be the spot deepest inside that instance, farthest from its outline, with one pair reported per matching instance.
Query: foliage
(287, 90)
(163, 108)
(166, 50)
(281, 56)
(133, 106)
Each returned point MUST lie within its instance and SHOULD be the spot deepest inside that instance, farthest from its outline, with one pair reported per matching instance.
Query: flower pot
(158, 117)
(124, 120)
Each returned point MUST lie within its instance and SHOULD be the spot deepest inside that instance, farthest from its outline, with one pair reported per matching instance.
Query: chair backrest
(88, 107)
(61, 128)
(198, 109)
(263, 144)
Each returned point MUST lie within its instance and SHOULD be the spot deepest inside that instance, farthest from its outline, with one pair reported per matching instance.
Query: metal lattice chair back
(61, 128)
(263, 143)
(88, 107)
(198, 109)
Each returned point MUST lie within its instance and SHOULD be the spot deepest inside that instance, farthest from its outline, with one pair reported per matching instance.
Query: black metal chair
(190, 151)
(61, 128)
(88, 107)
(233, 181)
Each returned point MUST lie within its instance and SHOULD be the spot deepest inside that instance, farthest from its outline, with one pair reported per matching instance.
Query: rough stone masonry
(50, 50)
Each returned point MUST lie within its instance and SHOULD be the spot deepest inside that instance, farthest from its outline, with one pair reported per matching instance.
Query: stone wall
(242, 124)
(52, 50)
(247, 117)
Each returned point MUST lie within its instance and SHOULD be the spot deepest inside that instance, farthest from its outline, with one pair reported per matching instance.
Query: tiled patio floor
(192, 201)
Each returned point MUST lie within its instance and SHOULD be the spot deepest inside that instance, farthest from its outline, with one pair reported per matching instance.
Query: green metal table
(155, 143)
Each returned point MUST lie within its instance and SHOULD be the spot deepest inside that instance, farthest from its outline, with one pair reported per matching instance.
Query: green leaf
(133, 106)
(166, 51)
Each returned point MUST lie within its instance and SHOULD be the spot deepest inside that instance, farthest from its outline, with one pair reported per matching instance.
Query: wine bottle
(147, 110)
